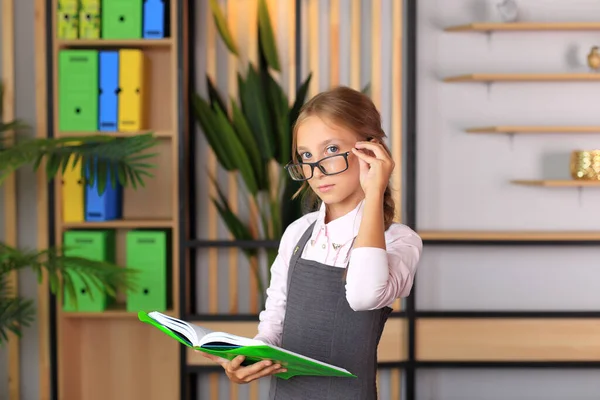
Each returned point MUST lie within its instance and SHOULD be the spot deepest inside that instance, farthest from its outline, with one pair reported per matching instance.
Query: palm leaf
(15, 313)
(62, 270)
(221, 24)
(266, 36)
(122, 155)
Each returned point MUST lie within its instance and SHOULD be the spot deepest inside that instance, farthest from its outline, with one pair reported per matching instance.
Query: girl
(339, 268)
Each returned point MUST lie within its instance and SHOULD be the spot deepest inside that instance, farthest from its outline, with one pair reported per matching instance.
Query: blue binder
(154, 19)
(109, 86)
(105, 207)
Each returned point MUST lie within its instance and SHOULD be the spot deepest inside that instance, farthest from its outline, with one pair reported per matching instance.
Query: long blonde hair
(354, 111)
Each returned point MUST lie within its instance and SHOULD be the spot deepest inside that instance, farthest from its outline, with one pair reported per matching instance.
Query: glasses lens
(334, 165)
(299, 172)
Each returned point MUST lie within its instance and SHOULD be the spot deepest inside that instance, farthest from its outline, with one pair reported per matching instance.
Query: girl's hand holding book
(245, 374)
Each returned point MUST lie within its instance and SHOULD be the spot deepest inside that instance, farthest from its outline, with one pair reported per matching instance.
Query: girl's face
(317, 139)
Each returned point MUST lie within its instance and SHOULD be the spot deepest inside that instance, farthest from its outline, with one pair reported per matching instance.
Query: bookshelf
(109, 353)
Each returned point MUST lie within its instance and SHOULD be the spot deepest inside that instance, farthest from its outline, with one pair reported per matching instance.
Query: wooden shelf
(157, 133)
(534, 129)
(557, 183)
(85, 43)
(566, 236)
(525, 26)
(530, 77)
(120, 224)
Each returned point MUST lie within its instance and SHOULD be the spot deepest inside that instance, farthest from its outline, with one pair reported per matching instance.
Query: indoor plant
(126, 156)
(252, 137)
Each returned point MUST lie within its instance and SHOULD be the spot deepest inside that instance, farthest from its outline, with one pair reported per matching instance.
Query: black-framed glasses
(331, 165)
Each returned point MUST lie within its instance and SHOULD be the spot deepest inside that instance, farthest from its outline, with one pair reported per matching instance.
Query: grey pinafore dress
(320, 324)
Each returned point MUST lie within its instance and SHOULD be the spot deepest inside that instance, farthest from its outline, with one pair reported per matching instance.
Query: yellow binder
(131, 83)
(89, 19)
(72, 194)
(68, 19)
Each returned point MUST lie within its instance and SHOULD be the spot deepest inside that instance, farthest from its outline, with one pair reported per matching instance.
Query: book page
(176, 325)
(223, 337)
(201, 331)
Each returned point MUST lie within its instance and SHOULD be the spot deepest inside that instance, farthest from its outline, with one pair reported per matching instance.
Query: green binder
(92, 245)
(122, 19)
(228, 346)
(78, 90)
(147, 252)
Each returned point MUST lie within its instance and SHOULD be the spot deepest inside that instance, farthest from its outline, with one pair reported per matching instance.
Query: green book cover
(228, 346)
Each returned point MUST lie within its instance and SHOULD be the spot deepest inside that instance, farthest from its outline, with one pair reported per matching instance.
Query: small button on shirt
(375, 279)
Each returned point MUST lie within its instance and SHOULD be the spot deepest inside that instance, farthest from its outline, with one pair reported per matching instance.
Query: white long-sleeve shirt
(375, 277)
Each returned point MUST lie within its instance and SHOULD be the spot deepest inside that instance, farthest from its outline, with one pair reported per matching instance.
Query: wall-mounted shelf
(557, 183)
(524, 129)
(525, 26)
(509, 236)
(530, 77)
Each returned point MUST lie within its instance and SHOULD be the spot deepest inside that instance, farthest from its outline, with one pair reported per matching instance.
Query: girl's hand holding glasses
(375, 169)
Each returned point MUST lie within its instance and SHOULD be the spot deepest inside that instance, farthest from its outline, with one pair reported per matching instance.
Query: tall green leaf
(213, 94)
(222, 27)
(237, 151)
(366, 89)
(255, 107)
(206, 117)
(244, 133)
(266, 36)
(278, 110)
(300, 99)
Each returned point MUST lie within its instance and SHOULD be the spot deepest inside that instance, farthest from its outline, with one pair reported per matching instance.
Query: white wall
(463, 182)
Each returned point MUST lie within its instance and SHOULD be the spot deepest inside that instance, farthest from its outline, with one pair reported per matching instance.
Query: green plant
(125, 156)
(251, 136)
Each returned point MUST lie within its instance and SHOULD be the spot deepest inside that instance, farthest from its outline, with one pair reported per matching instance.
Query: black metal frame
(51, 202)
(410, 7)
(184, 157)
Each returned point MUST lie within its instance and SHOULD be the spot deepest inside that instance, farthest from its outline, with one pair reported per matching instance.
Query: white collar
(342, 229)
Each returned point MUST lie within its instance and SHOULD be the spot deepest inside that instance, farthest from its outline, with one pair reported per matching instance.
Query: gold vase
(585, 165)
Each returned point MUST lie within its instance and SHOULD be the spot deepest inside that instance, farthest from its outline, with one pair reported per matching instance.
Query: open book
(229, 346)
